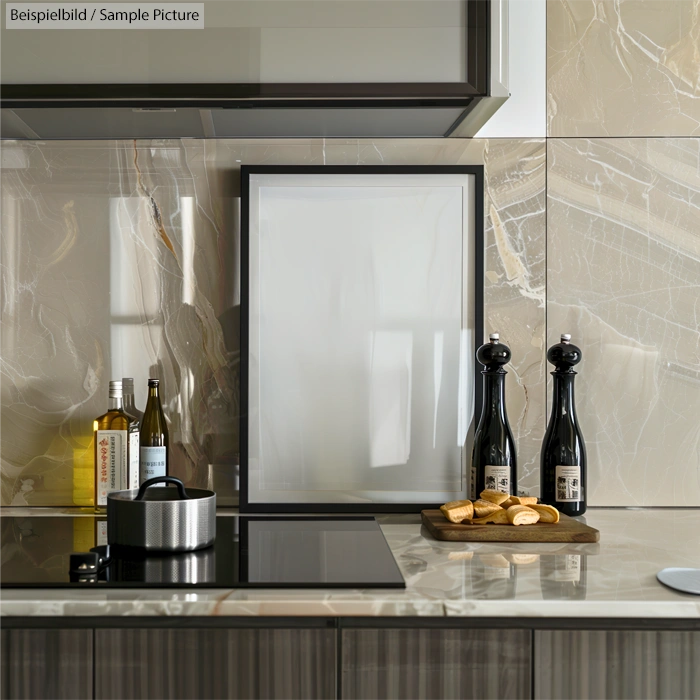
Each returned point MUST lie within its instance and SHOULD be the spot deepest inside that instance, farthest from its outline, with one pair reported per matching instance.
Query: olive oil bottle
(111, 447)
(154, 438)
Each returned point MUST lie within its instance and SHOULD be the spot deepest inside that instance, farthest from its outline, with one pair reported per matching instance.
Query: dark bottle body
(563, 459)
(493, 457)
(154, 455)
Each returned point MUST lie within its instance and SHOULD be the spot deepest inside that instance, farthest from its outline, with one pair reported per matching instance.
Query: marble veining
(515, 279)
(623, 264)
(613, 578)
(119, 259)
(623, 68)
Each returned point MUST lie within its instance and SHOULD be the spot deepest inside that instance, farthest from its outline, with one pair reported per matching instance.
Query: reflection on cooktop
(250, 552)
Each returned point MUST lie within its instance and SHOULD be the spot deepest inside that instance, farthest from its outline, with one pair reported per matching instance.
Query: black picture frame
(477, 171)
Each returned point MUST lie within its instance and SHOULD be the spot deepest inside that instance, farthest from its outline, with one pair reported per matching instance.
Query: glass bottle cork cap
(115, 389)
(494, 337)
(566, 337)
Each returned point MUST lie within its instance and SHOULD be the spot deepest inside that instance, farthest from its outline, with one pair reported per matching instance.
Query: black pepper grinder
(493, 457)
(563, 459)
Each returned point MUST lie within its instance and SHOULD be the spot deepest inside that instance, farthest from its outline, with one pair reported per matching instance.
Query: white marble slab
(615, 578)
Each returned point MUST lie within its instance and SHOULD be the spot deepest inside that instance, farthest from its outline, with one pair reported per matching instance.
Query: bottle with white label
(129, 402)
(154, 436)
(493, 456)
(563, 459)
(111, 447)
(133, 470)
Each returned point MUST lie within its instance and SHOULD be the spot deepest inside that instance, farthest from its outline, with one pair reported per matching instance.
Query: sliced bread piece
(500, 517)
(482, 508)
(522, 515)
(456, 511)
(548, 514)
(496, 497)
(523, 500)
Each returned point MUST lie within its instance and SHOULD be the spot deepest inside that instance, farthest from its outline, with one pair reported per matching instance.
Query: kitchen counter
(615, 578)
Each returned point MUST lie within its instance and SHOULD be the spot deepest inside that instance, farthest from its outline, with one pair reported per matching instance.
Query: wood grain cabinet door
(433, 663)
(46, 664)
(184, 664)
(617, 665)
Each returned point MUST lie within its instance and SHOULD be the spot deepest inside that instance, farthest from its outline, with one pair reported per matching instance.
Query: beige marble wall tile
(119, 259)
(623, 67)
(515, 287)
(623, 265)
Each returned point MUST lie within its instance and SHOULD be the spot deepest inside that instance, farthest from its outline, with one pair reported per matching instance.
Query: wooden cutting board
(566, 530)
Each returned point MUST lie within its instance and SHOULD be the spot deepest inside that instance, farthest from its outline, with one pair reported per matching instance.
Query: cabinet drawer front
(218, 663)
(619, 665)
(434, 663)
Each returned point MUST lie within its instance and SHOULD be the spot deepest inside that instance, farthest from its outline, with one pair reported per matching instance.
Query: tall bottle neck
(563, 394)
(116, 404)
(153, 397)
(495, 394)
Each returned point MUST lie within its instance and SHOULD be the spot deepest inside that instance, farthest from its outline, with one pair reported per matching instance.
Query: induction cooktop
(249, 552)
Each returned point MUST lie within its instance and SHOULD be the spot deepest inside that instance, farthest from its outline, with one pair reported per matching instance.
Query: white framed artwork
(361, 310)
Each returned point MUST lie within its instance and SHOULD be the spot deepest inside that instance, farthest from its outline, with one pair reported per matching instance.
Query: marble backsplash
(623, 243)
(119, 259)
(623, 68)
(623, 276)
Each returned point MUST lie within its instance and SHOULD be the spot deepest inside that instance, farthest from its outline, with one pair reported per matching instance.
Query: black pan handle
(162, 480)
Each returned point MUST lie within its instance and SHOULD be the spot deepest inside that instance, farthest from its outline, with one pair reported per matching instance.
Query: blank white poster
(357, 294)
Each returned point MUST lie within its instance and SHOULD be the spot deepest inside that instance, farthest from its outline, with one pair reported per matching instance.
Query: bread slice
(522, 515)
(496, 497)
(548, 514)
(500, 517)
(519, 501)
(456, 511)
(523, 500)
(482, 508)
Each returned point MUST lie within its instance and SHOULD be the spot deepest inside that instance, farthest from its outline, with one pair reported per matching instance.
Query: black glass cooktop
(249, 552)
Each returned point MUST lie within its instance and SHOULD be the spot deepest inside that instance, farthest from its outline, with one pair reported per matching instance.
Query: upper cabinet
(263, 42)
(278, 68)
(524, 115)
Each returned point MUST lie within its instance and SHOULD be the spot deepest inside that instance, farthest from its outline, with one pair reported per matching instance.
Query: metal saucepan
(168, 519)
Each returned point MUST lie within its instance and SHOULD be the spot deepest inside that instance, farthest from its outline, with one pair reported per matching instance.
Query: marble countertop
(613, 578)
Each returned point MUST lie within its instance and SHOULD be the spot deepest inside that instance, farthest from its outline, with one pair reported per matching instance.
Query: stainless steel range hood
(469, 38)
